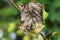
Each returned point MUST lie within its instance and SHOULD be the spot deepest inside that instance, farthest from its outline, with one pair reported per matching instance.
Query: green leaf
(11, 27)
(45, 14)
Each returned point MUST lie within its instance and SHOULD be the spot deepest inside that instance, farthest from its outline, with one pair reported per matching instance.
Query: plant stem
(14, 4)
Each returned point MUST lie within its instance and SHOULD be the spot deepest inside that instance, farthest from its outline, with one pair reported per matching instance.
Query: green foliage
(8, 11)
(19, 32)
(22, 1)
(11, 27)
(45, 14)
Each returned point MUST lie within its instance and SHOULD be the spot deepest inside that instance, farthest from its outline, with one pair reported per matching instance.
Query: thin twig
(14, 4)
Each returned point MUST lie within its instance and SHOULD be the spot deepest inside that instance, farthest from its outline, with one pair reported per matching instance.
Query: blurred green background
(10, 19)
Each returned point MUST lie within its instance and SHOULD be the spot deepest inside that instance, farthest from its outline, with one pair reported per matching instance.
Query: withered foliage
(30, 15)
